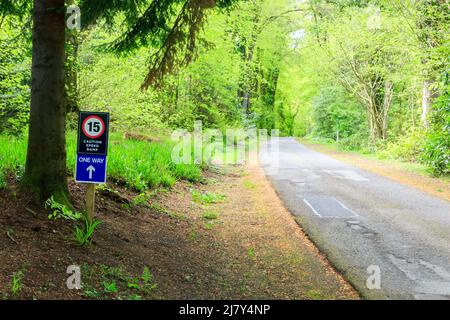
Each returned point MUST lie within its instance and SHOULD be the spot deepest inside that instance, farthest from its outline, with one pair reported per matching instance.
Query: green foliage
(144, 284)
(143, 199)
(432, 18)
(437, 154)
(131, 109)
(318, 70)
(251, 253)
(16, 283)
(171, 25)
(15, 66)
(83, 235)
(344, 58)
(207, 198)
(249, 185)
(408, 147)
(15, 7)
(437, 149)
(337, 116)
(110, 287)
(12, 157)
(193, 235)
(60, 211)
(140, 165)
(209, 225)
(205, 91)
(147, 277)
(358, 141)
(106, 282)
(315, 294)
(210, 215)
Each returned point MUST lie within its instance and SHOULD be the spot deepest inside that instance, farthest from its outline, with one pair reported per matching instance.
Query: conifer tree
(171, 26)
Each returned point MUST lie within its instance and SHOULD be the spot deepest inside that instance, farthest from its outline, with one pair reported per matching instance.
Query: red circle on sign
(102, 131)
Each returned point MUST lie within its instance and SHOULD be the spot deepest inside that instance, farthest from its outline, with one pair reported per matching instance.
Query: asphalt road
(366, 223)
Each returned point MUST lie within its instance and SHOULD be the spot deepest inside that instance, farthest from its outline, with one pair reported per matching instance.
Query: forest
(370, 77)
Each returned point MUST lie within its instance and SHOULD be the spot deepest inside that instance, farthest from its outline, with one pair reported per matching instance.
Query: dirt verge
(229, 239)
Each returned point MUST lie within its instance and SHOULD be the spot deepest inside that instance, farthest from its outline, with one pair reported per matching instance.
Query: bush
(15, 75)
(409, 147)
(437, 149)
(355, 142)
(437, 153)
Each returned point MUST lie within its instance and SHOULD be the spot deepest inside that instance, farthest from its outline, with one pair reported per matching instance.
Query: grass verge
(140, 165)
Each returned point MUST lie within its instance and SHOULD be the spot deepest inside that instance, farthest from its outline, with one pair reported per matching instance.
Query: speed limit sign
(91, 165)
(93, 127)
(93, 133)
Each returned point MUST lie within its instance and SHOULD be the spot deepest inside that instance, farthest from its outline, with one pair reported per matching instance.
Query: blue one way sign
(91, 169)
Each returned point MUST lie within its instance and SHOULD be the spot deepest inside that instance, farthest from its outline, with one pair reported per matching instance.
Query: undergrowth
(140, 165)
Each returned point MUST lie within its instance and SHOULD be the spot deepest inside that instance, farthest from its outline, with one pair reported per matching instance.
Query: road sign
(93, 131)
(91, 169)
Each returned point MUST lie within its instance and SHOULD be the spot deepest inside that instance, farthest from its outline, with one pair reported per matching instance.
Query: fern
(83, 235)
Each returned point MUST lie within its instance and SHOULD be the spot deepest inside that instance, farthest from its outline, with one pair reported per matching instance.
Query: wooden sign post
(90, 202)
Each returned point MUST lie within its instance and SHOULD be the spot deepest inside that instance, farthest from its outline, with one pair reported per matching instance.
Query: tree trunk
(71, 82)
(426, 103)
(378, 112)
(46, 157)
(248, 78)
(245, 92)
(388, 96)
(246, 103)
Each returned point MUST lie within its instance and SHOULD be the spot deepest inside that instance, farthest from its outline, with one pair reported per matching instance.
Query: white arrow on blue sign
(91, 169)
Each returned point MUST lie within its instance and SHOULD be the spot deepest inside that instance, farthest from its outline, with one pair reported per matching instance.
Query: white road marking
(316, 211)
(347, 174)
(416, 271)
(441, 272)
(346, 208)
(312, 208)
